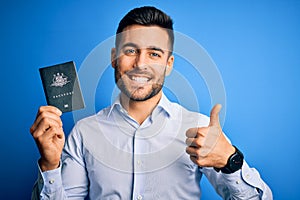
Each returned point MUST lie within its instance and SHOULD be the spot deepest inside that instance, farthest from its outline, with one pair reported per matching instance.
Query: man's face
(141, 61)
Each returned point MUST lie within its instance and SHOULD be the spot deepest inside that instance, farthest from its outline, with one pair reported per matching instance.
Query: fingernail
(58, 112)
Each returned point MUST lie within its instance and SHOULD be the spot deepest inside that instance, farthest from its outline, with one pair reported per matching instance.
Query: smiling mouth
(140, 79)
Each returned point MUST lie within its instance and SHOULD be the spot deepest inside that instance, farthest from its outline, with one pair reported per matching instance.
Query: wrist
(229, 153)
(46, 166)
(234, 162)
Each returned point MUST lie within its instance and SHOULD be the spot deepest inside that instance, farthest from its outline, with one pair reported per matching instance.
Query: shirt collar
(116, 105)
(163, 104)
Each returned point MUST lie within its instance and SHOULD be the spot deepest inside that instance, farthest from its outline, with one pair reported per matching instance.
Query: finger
(214, 115)
(46, 112)
(60, 133)
(47, 134)
(200, 162)
(192, 151)
(51, 136)
(52, 132)
(191, 133)
(43, 126)
(52, 109)
(196, 132)
(195, 142)
(49, 115)
(189, 141)
(46, 120)
(194, 159)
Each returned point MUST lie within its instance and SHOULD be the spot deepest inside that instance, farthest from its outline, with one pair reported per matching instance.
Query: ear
(169, 65)
(113, 57)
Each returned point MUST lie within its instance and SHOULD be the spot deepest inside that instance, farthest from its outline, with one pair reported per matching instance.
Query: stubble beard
(134, 95)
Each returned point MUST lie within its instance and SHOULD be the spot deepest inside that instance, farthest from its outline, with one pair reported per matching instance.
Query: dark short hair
(147, 16)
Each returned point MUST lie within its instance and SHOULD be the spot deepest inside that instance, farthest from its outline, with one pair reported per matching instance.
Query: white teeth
(140, 79)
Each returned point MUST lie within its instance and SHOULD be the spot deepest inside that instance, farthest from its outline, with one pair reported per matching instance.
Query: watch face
(236, 162)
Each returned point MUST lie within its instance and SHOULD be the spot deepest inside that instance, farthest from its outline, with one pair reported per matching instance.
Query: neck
(140, 110)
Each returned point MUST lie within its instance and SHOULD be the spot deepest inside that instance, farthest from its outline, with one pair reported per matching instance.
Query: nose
(141, 60)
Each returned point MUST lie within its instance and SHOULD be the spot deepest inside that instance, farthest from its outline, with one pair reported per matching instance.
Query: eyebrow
(154, 48)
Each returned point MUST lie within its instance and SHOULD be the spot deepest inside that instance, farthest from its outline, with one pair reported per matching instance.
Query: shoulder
(91, 122)
(189, 116)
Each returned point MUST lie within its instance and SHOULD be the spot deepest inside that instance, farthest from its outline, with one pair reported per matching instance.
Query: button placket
(138, 166)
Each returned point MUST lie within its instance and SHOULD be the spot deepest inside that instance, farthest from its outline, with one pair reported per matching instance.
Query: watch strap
(234, 162)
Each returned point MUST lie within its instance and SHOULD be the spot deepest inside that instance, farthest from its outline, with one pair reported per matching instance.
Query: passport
(61, 86)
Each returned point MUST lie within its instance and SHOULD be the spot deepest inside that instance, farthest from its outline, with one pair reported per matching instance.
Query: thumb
(214, 115)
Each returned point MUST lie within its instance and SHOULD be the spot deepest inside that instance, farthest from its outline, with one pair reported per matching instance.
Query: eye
(153, 54)
(130, 51)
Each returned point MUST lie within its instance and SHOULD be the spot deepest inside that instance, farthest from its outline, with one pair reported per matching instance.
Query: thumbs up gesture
(208, 146)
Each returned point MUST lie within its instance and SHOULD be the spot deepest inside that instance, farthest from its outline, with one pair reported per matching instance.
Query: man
(143, 146)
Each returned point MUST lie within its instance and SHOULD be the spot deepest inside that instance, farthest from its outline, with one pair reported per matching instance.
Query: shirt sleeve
(69, 181)
(48, 185)
(245, 183)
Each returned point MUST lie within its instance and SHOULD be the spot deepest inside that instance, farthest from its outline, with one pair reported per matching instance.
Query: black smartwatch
(234, 162)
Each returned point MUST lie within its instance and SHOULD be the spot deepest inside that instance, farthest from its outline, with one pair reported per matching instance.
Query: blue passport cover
(61, 86)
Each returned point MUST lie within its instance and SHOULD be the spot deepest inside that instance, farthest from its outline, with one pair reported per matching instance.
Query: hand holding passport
(61, 86)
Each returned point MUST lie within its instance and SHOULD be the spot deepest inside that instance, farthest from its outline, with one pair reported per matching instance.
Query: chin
(144, 97)
(139, 97)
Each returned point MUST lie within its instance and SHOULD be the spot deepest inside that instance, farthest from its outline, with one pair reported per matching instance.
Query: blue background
(255, 45)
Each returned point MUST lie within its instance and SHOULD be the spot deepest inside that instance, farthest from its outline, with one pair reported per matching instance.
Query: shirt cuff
(49, 181)
(241, 180)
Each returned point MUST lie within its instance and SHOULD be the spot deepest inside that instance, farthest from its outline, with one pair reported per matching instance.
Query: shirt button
(139, 162)
(139, 197)
(247, 176)
(51, 181)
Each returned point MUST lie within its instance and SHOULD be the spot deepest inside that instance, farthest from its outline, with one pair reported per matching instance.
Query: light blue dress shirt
(110, 156)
